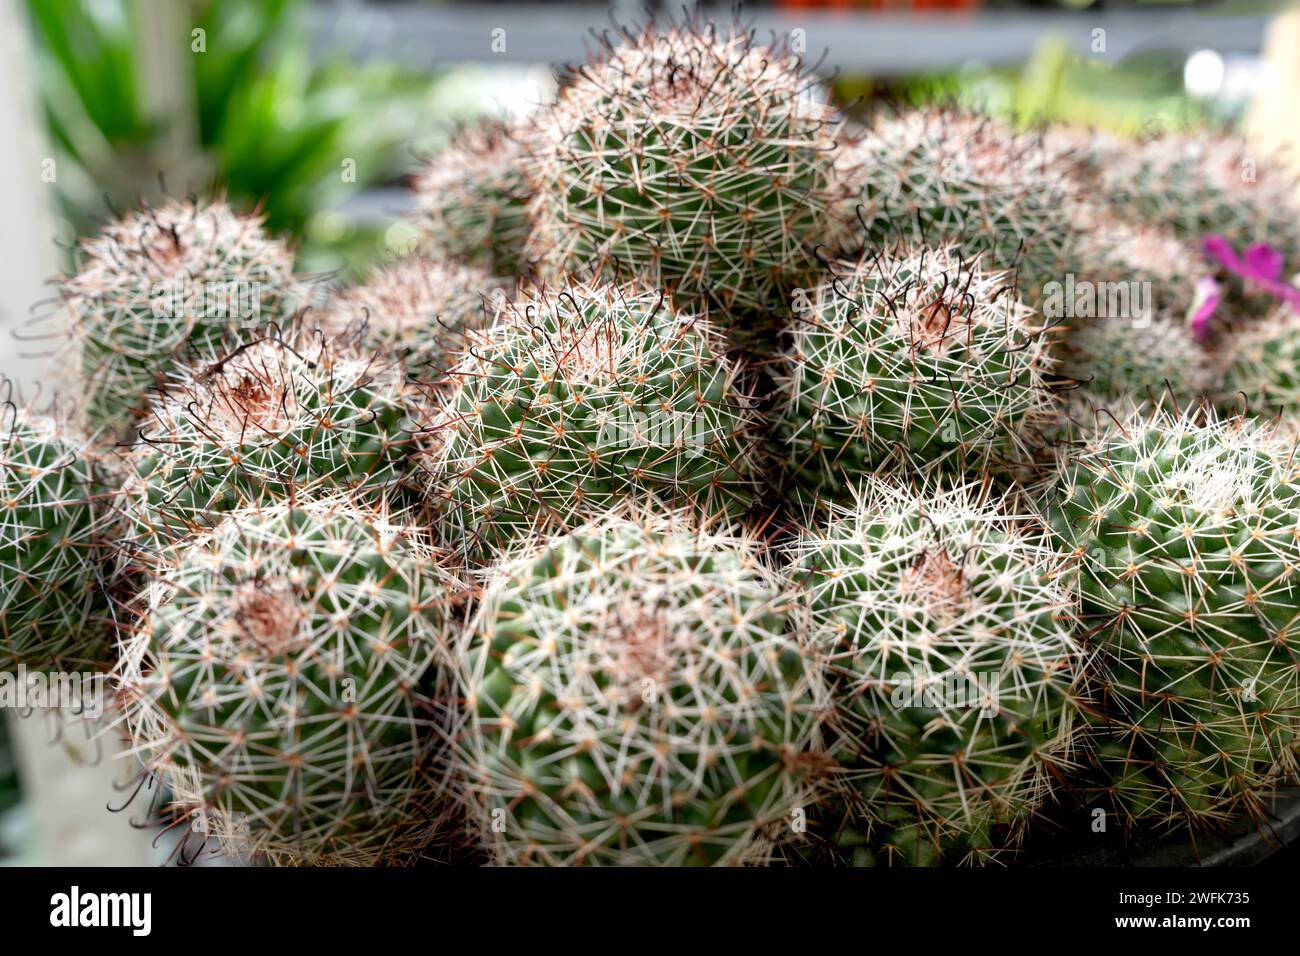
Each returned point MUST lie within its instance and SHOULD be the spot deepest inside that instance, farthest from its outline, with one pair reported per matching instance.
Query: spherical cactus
(634, 699)
(1124, 364)
(472, 199)
(942, 175)
(948, 631)
(163, 283)
(288, 682)
(1263, 366)
(577, 399)
(1187, 534)
(1125, 269)
(693, 160)
(270, 419)
(53, 613)
(417, 309)
(911, 358)
(1204, 184)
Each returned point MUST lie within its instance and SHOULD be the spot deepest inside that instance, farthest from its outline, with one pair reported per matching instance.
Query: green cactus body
(912, 359)
(942, 175)
(952, 661)
(1263, 367)
(278, 682)
(162, 284)
(574, 401)
(690, 160)
(417, 309)
(247, 428)
(1202, 184)
(52, 608)
(1187, 534)
(634, 699)
(472, 199)
(1125, 364)
(1135, 259)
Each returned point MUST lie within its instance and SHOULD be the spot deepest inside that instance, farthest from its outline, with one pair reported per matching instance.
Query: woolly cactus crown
(278, 683)
(417, 308)
(913, 357)
(634, 699)
(691, 159)
(943, 175)
(276, 414)
(472, 199)
(162, 283)
(577, 399)
(1187, 533)
(947, 625)
(52, 610)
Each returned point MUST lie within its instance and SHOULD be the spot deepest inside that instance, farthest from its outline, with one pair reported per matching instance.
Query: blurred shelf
(424, 35)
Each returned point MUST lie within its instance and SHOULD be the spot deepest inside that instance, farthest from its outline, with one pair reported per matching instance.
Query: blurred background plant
(263, 116)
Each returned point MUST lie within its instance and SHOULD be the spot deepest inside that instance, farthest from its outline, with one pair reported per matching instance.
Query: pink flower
(1208, 296)
(1261, 266)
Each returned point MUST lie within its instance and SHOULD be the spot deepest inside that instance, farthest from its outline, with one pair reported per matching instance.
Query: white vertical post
(66, 799)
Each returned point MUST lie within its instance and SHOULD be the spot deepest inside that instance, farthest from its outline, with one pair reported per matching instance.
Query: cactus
(577, 399)
(692, 160)
(1163, 268)
(1203, 184)
(244, 428)
(158, 284)
(634, 699)
(53, 610)
(910, 358)
(417, 309)
(945, 176)
(472, 199)
(286, 680)
(1263, 366)
(1125, 364)
(946, 624)
(1186, 529)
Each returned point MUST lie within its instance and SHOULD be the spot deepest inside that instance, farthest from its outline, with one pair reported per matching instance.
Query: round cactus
(248, 427)
(1263, 366)
(942, 175)
(1155, 271)
(634, 699)
(948, 631)
(1203, 184)
(910, 358)
(158, 284)
(1187, 535)
(690, 159)
(575, 400)
(1125, 364)
(417, 309)
(472, 199)
(53, 614)
(287, 682)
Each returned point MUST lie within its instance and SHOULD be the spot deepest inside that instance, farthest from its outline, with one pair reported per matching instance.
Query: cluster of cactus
(713, 486)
